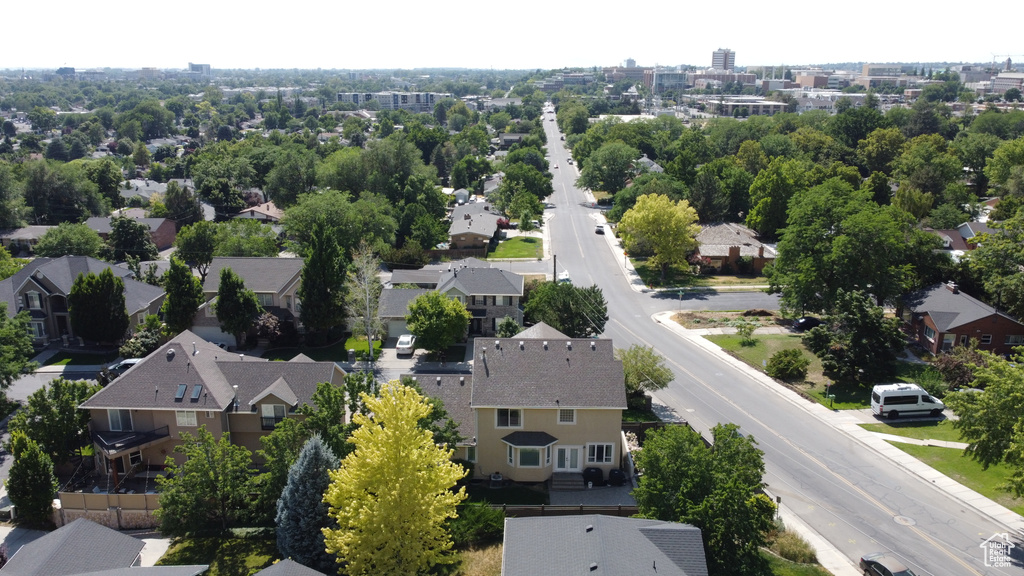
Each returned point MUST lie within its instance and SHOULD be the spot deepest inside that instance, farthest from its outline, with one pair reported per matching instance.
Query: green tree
(322, 288)
(9, 266)
(31, 484)
(278, 452)
(209, 491)
(15, 346)
(12, 201)
(667, 229)
(990, 420)
(130, 237)
(184, 296)
(236, 306)
(877, 152)
(716, 489)
(294, 173)
(245, 237)
(927, 165)
(182, 205)
(707, 197)
(400, 530)
(644, 368)
(362, 296)
(195, 245)
(508, 327)
(52, 419)
(998, 260)
(856, 341)
(609, 167)
(42, 119)
(575, 311)
(437, 321)
(107, 177)
(68, 239)
(58, 192)
(301, 510)
(97, 307)
(1006, 163)
(770, 194)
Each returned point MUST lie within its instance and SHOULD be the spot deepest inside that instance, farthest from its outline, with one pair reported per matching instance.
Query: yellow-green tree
(392, 494)
(667, 229)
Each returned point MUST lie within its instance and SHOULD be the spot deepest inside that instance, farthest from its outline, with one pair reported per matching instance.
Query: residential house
(161, 230)
(598, 544)
(274, 280)
(43, 285)
(21, 242)
(473, 225)
(288, 567)
(942, 316)
(266, 212)
(725, 244)
(953, 243)
(84, 547)
(188, 382)
(645, 164)
(507, 139)
(970, 232)
(456, 392)
(393, 307)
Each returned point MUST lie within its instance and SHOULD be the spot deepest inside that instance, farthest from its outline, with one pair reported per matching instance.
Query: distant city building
(723, 59)
(617, 73)
(882, 70)
(149, 73)
(200, 71)
(1006, 80)
(412, 101)
(658, 81)
(630, 63)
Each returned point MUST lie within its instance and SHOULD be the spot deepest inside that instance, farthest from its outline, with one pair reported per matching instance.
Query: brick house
(942, 316)
(726, 243)
(161, 230)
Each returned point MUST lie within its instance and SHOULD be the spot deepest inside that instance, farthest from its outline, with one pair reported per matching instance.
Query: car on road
(599, 229)
(406, 344)
(556, 165)
(806, 323)
(883, 564)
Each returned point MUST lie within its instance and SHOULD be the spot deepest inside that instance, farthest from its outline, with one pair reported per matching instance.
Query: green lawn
(953, 463)
(783, 567)
(65, 358)
(226, 556)
(676, 275)
(337, 352)
(929, 430)
(519, 247)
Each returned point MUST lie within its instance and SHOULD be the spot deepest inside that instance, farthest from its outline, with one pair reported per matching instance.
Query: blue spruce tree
(301, 511)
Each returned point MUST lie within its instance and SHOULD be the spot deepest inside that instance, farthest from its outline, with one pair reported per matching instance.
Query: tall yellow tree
(665, 228)
(392, 494)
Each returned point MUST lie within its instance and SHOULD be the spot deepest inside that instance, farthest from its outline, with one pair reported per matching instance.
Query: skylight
(181, 391)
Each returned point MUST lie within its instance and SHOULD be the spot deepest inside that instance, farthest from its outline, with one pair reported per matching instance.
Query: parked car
(806, 323)
(599, 229)
(406, 344)
(122, 366)
(883, 564)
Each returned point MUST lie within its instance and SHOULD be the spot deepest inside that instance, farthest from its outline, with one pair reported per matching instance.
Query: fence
(525, 511)
(117, 511)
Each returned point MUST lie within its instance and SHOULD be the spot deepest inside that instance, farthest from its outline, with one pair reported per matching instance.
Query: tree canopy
(68, 239)
(856, 341)
(301, 510)
(52, 419)
(659, 226)
(15, 346)
(577, 312)
(184, 296)
(97, 307)
(236, 306)
(322, 289)
(437, 321)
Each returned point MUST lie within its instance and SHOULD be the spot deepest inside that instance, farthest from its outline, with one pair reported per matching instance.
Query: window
(529, 457)
(599, 453)
(506, 300)
(135, 458)
(566, 416)
(209, 413)
(186, 418)
(120, 420)
(140, 318)
(35, 301)
(963, 340)
(1014, 340)
(37, 330)
(471, 453)
(509, 418)
(986, 338)
(511, 456)
(929, 333)
(265, 299)
(271, 415)
(288, 302)
(547, 456)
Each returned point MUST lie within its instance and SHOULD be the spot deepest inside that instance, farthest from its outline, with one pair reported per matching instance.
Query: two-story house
(188, 382)
(43, 285)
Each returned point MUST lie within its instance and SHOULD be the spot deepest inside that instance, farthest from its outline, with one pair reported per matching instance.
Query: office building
(723, 59)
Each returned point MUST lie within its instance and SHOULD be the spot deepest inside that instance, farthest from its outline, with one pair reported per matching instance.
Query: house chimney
(760, 251)
(952, 287)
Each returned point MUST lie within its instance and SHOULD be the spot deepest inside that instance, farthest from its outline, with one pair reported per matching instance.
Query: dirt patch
(711, 319)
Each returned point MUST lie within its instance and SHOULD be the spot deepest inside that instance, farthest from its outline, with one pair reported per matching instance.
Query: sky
(527, 34)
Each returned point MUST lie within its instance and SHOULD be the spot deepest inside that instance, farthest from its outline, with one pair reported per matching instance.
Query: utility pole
(554, 276)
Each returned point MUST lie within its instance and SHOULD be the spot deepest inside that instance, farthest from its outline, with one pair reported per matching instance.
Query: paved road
(853, 497)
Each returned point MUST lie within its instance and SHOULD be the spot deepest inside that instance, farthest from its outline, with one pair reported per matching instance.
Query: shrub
(745, 330)
(789, 364)
(793, 547)
(477, 524)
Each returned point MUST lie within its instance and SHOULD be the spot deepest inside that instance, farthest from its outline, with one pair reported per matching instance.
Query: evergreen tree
(301, 510)
(52, 419)
(31, 483)
(97, 307)
(236, 307)
(322, 289)
(182, 205)
(184, 296)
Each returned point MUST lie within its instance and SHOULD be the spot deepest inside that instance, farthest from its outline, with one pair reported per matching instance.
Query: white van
(891, 400)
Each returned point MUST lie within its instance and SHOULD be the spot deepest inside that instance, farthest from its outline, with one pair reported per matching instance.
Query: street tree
(195, 244)
(15, 346)
(609, 167)
(856, 341)
(437, 321)
(362, 296)
(576, 311)
(644, 368)
(644, 184)
(667, 229)
(67, 239)
(717, 489)
(301, 510)
(236, 306)
(129, 237)
(31, 483)
(97, 307)
(209, 490)
(998, 260)
(51, 418)
(391, 512)
(989, 414)
(184, 296)
(322, 288)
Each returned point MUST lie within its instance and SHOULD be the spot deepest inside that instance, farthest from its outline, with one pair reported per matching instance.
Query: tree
(990, 420)
(327, 416)
(31, 484)
(15, 346)
(1005, 164)
(667, 229)
(245, 237)
(294, 173)
(927, 165)
(609, 167)
(278, 452)
(362, 296)
(182, 205)
(856, 340)
(97, 307)
(707, 198)
(770, 194)
(644, 368)
(998, 260)
(437, 321)
(9, 266)
(508, 327)
(391, 511)
(957, 365)
(236, 307)
(195, 244)
(301, 510)
(877, 152)
(1012, 95)
(322, 288)
(209, 491)
(184, 296)
(130, 237)
(714, 488)
(107, 177)
(52, 419)
(575, 311)
(12, 201)
(67, 239)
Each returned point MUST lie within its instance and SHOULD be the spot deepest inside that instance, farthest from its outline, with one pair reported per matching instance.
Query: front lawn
(676, 275)
(65, 358)
(765, 346)
(953, 463)
(519, 247)
(227, 556)
(922, 430)
(783, 567)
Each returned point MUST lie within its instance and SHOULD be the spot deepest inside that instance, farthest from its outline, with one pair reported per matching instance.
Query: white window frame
(140, 319)
(497, 418)
(570, 412)
(929, 333)
(609, 452)
(511, 455)
(185, 418)
(265, 298)
(986, 339)
(134, 458)
(547, 455)
(116, 421)
(35, 300)
(530, 450)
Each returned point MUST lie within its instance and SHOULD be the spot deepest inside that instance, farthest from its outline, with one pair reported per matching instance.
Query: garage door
(396, 328)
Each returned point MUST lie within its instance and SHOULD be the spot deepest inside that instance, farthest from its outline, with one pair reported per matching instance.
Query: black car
(806, 323)
(883, 564)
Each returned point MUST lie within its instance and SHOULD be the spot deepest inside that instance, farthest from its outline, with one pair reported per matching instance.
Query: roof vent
(590, 528)
(545, 344)
(593, 345)
(462, 380)
(522, 345)
(483, 352)
(170, 354)
(194, 349)
(241, 357)
(593, 566)
(497, 345)
(438, 380)
(568, 345)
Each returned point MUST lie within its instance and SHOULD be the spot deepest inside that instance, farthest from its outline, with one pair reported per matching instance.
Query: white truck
(892, 400)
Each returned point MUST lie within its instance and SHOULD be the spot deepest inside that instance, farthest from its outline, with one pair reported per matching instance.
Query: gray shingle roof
(426, 278)
(482, 282)
(532, 439)
(101, 224)
(474, 218)
(260, 274)
(187, 570)
(289, 567)
(456, 391)
(716, 239)
(521, 372)
(949, 310)
(543, 331)
(72, 549)
(602, 545)
(394, 302)
(459, 264)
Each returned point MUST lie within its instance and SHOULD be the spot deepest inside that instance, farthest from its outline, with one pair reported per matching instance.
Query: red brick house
(942, 316)
(726, 243)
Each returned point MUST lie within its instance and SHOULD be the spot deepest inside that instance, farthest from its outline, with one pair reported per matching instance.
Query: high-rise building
(723, 59)
(630, 63)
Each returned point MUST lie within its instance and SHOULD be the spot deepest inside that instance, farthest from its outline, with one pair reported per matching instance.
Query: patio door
(567, 458)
